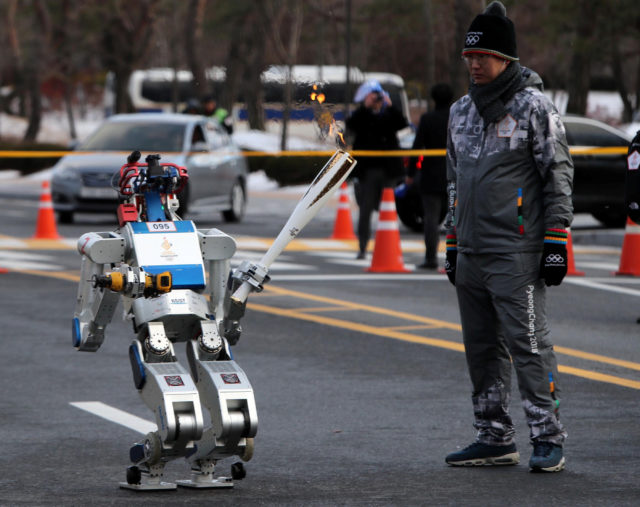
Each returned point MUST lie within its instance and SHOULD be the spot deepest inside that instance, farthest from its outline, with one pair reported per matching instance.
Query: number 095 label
(161, 226)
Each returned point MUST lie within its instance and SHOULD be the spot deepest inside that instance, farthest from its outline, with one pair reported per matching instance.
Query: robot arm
(217, 248)
(95, 306)
(101, 286)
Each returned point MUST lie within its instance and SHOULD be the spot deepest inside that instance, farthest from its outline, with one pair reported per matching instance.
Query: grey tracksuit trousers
(502, 308)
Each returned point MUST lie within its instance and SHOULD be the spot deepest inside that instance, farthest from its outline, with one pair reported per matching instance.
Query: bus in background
(319, 95)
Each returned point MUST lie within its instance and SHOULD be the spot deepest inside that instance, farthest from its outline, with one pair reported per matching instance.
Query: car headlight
(65, 172)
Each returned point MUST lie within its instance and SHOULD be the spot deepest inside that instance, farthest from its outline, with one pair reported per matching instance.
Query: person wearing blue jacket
(374, 126)
(510, 179)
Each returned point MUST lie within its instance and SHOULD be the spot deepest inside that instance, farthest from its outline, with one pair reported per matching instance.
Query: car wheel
(409, 209)
(65, 217)
(410, 213)
(611, 217)
(238, 204)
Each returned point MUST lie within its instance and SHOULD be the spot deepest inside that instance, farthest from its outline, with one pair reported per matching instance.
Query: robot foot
(140, 479)
(202, 476)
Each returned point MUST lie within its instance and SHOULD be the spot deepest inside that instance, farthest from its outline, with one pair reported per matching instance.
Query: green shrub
(289, 170)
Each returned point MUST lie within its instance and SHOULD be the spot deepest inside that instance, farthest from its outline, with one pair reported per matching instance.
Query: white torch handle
(328, 180)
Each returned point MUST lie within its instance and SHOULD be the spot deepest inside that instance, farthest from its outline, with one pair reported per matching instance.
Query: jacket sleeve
(452, 193)
(632, 181)
(553, 161)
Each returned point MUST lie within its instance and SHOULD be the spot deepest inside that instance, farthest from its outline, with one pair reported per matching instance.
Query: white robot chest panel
(169, 246)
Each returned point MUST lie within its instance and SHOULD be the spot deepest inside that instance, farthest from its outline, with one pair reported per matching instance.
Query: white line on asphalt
(608, 266)
(596, 285)
(116, 415)
(409, 277)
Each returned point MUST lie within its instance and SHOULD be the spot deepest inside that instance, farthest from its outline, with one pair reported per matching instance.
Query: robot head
(149, 188)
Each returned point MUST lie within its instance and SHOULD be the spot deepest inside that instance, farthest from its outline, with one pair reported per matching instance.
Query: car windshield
(149, 137)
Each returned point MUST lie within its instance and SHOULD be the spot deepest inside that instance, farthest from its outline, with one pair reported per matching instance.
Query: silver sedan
(218, 172)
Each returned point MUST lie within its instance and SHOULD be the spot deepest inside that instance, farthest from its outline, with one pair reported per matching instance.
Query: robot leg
(227, 394)
(168, 389)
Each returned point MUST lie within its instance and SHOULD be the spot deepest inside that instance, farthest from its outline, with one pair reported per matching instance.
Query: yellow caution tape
(576, 150)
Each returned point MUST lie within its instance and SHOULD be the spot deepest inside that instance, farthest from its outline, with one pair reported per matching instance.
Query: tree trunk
(35, 103)
(16, 60)
(429, 60)
(193, 42)
(37, 61)
(616, 64)
(580, 67)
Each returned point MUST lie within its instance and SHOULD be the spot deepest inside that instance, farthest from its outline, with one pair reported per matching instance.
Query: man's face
(484, 68)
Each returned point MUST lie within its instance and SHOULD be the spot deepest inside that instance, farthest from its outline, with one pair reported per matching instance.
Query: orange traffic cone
(630, 257)
(571, 263)
(387, 254)
(343, 227)
(46, 225)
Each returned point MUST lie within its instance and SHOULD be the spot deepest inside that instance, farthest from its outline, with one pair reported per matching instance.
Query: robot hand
(253, 274)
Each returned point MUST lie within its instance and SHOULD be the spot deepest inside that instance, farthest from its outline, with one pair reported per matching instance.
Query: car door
(225, 160)
(201, 164)
(599, 178)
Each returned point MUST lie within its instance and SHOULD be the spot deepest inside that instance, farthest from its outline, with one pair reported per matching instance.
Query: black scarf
(491, 98)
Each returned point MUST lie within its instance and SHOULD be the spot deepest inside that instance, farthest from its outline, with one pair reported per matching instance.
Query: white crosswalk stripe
(26, 260)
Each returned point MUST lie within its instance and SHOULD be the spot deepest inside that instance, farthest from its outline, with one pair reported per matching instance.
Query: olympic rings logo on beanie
(473, 38)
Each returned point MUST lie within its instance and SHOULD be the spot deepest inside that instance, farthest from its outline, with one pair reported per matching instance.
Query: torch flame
(339, 137)
(316, 96)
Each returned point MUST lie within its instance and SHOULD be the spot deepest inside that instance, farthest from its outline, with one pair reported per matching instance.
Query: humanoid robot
(175, 284)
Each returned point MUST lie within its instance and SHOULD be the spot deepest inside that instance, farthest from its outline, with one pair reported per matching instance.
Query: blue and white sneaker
(546, 457)
(478, 454)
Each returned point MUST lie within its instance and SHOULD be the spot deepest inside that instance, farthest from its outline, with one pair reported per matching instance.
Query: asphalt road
(360, 381)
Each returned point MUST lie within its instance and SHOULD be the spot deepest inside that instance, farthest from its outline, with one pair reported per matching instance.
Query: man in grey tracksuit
(510, 182)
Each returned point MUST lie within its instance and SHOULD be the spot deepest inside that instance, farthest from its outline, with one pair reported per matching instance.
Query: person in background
(373, 125)
(509, 194)
(431, 172)
(193, 107)
(210, 108)
(632, 183)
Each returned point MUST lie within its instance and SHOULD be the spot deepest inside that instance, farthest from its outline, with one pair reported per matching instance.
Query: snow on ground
(53, 129)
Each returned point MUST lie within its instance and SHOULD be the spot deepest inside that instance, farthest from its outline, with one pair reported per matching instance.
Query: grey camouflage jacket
(510, 181)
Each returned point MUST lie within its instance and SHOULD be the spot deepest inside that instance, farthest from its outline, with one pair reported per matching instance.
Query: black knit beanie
(492, 32)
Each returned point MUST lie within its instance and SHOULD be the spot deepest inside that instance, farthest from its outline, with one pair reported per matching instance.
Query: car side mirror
(200, 146)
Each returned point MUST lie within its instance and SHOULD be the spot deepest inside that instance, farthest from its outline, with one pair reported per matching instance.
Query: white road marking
(409, 277)
(116, 415)
(608, 266)
(601, 286)
(279, 265)
(27, 260)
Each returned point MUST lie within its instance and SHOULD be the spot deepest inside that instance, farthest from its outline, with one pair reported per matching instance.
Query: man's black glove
(451, 257)
(553, 266)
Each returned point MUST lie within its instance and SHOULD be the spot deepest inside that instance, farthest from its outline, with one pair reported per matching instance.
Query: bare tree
(16, 60)
(64, 44)
(245, 61)
(276, 15)
(193, 44)
(127, 36)
(33, 68)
